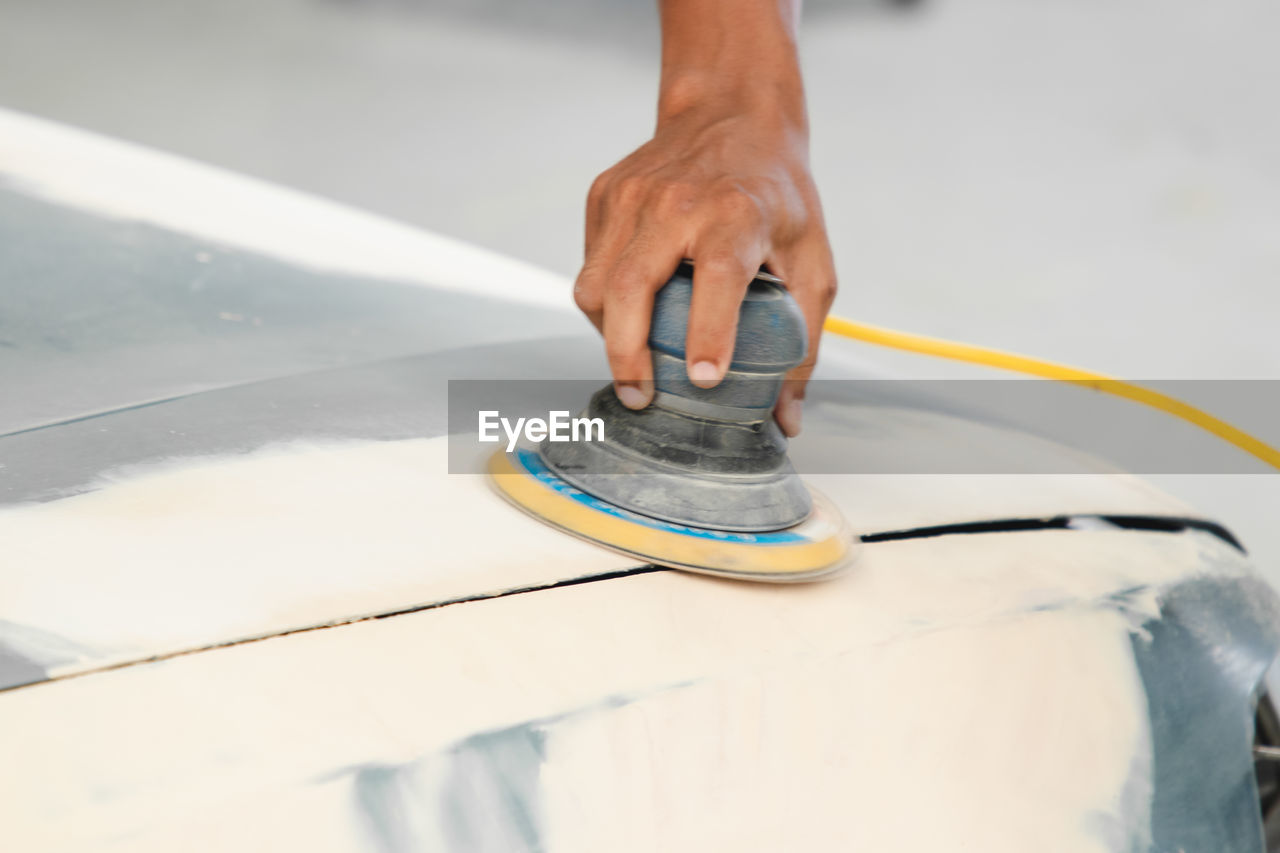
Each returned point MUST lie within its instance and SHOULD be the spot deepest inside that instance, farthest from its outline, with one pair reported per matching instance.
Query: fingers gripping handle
(709, 458)
(771, 340)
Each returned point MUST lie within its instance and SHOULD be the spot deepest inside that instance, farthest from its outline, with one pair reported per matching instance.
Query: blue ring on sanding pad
(535, 467)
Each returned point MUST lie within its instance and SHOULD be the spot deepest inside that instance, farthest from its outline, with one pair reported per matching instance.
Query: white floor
(1093, 183)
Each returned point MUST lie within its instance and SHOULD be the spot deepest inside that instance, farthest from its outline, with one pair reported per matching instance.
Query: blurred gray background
(1092, 182)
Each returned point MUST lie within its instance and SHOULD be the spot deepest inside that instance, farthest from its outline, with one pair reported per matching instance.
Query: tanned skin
(724, 181)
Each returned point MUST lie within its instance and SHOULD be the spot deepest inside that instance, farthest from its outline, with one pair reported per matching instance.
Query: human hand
(724, 182)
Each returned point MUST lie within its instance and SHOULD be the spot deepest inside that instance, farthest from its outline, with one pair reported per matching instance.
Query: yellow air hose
(957, 351)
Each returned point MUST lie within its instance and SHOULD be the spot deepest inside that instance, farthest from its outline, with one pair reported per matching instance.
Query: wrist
(776, 99)
(753, 89)
(731, 58)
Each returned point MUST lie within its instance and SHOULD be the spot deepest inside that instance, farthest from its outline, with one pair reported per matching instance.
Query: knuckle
(723, 264)
(675, 196)
(599, 188)
(630, 190)
(622, 352)
(587, 298)
(739, 207)
(826, 290)
(625, 286)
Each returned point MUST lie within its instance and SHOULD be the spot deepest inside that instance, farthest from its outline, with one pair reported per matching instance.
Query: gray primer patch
(100, 314)
(388, 400)
(16, 669)
(27, 654)
(495, 774)
(1201, 663)
(481, 796)
(1127, 828)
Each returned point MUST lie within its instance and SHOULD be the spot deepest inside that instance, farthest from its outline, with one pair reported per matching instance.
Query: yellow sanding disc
(815, 548)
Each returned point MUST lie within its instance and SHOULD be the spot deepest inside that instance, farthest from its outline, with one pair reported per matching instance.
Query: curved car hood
(226, 414)
(225, 420)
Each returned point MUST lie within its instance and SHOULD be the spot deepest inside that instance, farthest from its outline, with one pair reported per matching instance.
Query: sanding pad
(819, 546)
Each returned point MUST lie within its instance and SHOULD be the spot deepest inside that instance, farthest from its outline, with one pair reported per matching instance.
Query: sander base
(819, 546)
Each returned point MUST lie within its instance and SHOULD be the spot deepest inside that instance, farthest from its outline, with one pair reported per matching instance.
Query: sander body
(699, 479)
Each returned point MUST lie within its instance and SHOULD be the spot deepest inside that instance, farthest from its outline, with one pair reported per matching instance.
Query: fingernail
(792, 417)
(632, 397)
(704, 374)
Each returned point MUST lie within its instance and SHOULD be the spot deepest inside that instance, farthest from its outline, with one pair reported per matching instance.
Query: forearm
(739, 52)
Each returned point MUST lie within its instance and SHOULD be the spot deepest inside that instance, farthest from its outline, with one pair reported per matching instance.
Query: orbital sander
(699, 479)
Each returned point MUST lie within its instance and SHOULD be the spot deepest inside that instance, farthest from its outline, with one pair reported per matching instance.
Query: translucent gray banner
(1015, 426)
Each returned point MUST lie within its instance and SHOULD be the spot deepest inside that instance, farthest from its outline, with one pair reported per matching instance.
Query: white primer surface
(992, 674)
(209, 550)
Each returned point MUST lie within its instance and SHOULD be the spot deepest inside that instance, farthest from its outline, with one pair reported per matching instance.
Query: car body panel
(993, 678)
(251, 601)
(191, 413)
